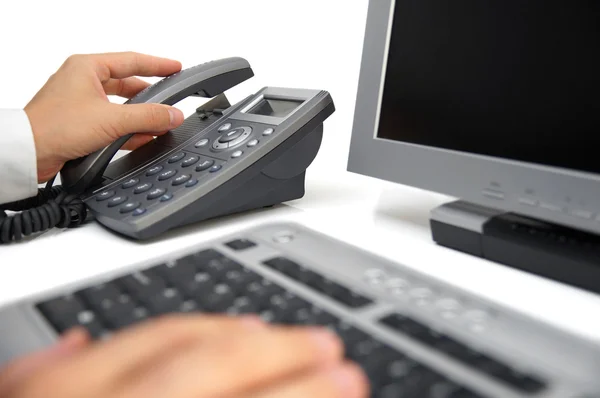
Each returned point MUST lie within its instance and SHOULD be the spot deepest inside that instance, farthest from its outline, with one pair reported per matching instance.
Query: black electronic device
(223, 159)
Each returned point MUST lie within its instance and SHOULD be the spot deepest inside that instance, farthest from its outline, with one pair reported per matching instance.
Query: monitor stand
(556, 252)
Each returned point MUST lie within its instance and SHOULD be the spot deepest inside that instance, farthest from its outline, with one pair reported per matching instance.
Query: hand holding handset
(223, 159)
(204, 80)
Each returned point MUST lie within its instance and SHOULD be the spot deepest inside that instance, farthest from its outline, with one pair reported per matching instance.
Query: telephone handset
(204, 80)
(223, 159)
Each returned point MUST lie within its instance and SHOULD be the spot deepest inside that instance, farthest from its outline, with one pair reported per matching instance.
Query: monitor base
(552, 251)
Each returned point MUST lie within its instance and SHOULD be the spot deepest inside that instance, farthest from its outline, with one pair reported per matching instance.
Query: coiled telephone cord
(51, 207)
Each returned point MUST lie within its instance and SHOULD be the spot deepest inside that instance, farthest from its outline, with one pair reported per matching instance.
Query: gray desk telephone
(224, 159)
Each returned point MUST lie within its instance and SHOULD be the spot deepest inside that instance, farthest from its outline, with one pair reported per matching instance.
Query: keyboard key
(142, 284)
(318, 282)
(240, 244)
(462, 353)
(167, 301)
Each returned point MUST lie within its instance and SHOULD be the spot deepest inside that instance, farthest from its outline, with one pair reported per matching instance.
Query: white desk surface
(388, 219)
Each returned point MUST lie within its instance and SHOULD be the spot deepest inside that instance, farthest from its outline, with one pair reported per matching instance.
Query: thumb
(145, 118)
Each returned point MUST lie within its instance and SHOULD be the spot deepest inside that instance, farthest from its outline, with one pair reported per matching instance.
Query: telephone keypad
(165, 175)
(130, 206)
(131, 182)
(155, 193)
(181, 179)
(201, 143)
(117, 200)
(142, 188)
(205, 165)
(153, 170)
(225, 127)
(177, 157)
(190, 161)
(105, 195)
(184, 170)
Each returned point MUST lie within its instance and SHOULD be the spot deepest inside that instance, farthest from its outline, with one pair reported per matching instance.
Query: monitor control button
(225, 127)
(155, 193)
(177, 157)
(129, 183)
(582, 213)
(128, 207)
(142, 188)
(201, 143)
(117, 200)
(105, 195)
(268, 131)
(528, 202)
(550, 207)
(215, 168)
(181, 179)
(252, 143)
(190, 161)
(237, 154)
(165, 175)
(205, 165)
(493, 194)
(154, 170)
(166, 197)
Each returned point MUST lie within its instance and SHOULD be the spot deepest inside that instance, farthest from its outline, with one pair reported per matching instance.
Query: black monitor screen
(517, 79)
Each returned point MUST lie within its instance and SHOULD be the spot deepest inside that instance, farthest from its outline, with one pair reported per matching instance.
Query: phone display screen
(274, 107)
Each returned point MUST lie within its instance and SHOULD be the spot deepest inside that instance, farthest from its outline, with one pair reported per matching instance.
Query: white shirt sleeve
(18, 163)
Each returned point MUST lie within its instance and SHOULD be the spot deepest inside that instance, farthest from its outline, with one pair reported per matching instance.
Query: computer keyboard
(413, 335)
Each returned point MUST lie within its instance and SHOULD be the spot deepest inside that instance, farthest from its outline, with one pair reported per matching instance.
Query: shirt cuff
(18, 162)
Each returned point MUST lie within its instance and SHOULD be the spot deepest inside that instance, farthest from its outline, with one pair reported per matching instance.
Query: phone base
(555, 252)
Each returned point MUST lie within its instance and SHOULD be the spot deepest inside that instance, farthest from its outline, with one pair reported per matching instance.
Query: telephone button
(181, 179)
(177, 157)
(190, 161)
(205, 165)
(165, 175)
(202, 142)
(117, 200)
(191, 183)
(139, 211)
(232, 135)
(268, 131)
(128, 207)
(105, 195)
(215, 168)
(252, 143)
(155, 193)
(129, 183)
(142, 188)
(154, 170)
(225, 127)
(237, 154)
(165, 197)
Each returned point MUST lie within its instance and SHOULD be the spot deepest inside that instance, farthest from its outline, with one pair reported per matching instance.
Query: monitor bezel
(563, 196)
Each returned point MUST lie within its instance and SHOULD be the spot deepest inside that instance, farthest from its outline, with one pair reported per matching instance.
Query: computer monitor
(493, 102)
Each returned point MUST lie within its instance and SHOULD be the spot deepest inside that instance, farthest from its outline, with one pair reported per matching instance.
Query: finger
(135, 346)
(344, 381)
(125, 88)
(137, 141)
(69, 343)
(147, 118)
(234, 364)
(119, 65)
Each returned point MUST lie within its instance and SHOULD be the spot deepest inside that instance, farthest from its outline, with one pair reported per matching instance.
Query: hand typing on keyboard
(189, 356)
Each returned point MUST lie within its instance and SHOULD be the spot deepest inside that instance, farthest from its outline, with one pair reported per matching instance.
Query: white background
(306, 44)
